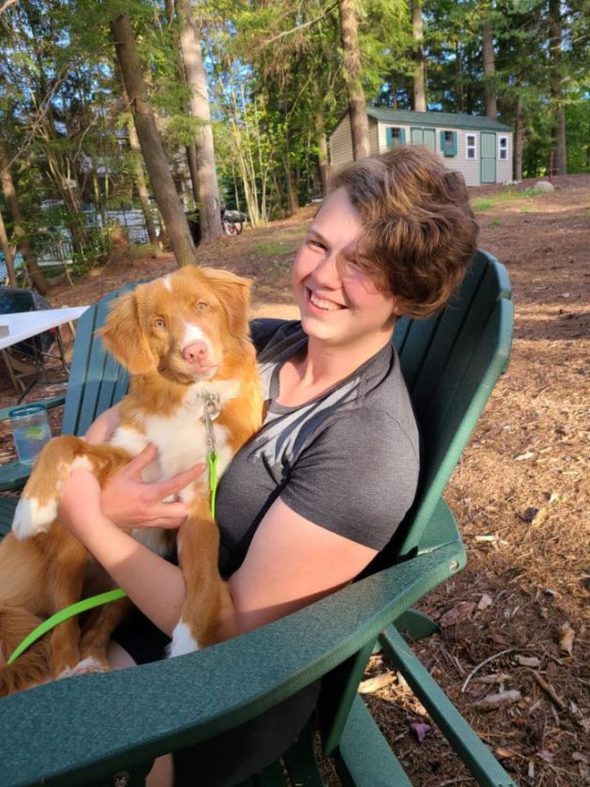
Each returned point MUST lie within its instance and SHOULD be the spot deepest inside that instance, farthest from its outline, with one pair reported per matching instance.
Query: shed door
(488, 157)
(423, 136)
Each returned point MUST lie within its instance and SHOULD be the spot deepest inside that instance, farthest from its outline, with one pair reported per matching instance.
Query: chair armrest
(14, 475)
(81, 729)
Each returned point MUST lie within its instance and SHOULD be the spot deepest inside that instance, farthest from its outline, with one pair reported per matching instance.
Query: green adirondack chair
(107, 728)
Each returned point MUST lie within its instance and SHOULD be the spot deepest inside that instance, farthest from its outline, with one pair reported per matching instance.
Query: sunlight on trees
(244, 95)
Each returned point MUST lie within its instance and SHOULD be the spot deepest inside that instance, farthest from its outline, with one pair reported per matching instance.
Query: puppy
(194, 386)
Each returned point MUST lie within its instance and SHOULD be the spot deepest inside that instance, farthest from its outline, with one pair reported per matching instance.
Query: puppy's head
(183, 326)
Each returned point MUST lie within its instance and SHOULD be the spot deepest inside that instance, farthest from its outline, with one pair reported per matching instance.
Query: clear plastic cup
(30, 430)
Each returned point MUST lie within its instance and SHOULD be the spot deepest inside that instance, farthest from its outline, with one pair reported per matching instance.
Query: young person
(306, 505)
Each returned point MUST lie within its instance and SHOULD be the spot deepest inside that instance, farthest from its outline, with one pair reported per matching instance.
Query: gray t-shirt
(347, 460)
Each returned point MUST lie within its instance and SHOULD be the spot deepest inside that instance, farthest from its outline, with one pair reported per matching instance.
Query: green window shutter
(448, 144)
(395, 136)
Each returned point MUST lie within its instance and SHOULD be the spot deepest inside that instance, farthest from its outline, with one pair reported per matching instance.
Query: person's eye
(316, 244)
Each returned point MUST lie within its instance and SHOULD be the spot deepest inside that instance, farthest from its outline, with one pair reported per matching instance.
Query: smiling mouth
(322, 303)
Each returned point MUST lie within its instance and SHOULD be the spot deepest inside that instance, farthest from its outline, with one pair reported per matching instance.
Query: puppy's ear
(124, 337)
(234, 294)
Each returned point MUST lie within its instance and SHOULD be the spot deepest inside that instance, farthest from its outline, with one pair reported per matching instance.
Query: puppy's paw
(84, 667)
(31, 518)
(182, 641)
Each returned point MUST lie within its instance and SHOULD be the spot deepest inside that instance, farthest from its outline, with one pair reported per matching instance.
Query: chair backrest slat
(451, 365)
(97, 381)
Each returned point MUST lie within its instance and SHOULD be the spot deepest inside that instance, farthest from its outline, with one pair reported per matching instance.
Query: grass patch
(509, 195)
(139, 250)
(483, 203)
(272, 248)
(495, 223)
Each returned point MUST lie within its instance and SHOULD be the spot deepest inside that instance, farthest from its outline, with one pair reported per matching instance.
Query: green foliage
(276, 87)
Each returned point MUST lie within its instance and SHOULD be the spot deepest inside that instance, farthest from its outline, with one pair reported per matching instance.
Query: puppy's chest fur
(181, 439)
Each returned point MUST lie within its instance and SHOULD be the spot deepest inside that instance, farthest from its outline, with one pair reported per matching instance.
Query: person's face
(340, 300)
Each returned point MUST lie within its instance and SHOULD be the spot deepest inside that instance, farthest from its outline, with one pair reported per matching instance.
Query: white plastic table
(23, 325)
(19, 326)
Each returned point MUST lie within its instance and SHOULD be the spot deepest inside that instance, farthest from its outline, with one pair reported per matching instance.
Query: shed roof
(444, 119)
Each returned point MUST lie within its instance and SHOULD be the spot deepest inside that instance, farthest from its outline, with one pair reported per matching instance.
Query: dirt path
(520, 493)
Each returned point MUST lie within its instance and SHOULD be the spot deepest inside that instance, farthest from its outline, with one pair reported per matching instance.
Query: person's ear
(400, 306)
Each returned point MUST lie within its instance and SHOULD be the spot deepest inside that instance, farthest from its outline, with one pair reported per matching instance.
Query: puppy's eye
(159, 323)
(202, 306)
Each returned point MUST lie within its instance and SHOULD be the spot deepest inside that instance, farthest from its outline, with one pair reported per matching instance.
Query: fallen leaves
(462, 611)
(533, 515)
(376, 683)
(566, 639)
(420, 730)
(527, 661)
(499, 700)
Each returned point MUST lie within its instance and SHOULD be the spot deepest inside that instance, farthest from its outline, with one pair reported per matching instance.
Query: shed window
(395, 136)
(448, 143)
(503, 148)
(470, 146)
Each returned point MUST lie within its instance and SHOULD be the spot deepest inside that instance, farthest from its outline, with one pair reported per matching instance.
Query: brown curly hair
(421, 233)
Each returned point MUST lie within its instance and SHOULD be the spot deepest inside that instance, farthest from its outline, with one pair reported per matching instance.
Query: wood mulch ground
(516, 620)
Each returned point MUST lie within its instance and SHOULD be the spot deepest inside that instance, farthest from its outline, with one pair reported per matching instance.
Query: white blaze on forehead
(193, 333)
(166, 282)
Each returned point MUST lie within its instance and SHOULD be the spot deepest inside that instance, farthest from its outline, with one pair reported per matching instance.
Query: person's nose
(326, 271)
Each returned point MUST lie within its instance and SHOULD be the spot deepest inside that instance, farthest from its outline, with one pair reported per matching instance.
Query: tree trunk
(518, 138)
(191, 157)
(291, 188)
(489, 70)
(157, 166)
(419, 79)
(323, 158)
(357, 106)
(559, 151)
(141, 184)
(21, 240)
(7, 251)
(208, 190)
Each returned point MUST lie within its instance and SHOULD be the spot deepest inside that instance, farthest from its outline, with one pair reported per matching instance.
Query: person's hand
(130, 502)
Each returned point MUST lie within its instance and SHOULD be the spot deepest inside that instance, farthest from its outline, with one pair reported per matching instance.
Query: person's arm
(153, 584)
(290, 563)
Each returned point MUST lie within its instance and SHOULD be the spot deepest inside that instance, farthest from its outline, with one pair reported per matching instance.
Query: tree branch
(300, 27)
(7, 5)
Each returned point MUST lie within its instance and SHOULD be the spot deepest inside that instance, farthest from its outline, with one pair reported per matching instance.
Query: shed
(476, 146)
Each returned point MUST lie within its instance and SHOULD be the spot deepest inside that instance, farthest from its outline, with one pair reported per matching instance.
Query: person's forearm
(153, 584)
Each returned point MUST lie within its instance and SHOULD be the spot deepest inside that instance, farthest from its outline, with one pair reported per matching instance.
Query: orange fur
(161, 333)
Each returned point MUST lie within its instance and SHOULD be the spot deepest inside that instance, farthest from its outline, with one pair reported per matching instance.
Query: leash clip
(211, 411)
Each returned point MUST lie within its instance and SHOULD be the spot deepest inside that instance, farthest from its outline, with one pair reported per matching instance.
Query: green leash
(62, 615)
(211, 412)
